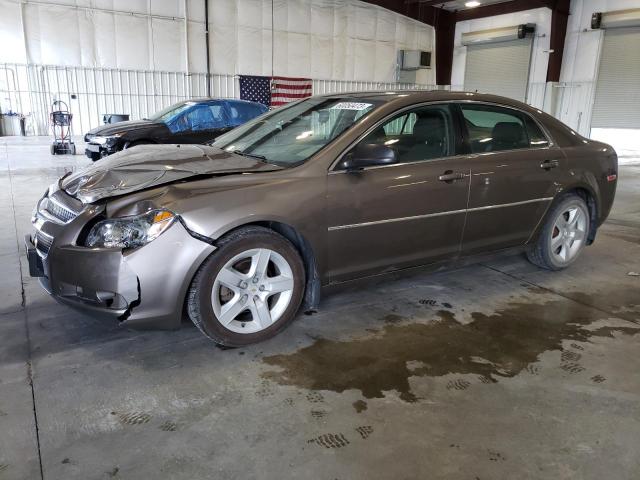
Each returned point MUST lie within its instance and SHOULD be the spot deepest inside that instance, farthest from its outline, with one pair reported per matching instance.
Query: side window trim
(544, 132)
(334, 168)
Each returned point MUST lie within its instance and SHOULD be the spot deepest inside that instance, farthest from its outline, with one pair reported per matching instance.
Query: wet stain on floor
(360, 405)
(499, 345)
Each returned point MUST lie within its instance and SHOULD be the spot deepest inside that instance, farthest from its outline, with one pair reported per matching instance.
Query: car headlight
(108, 140)
(130, 232)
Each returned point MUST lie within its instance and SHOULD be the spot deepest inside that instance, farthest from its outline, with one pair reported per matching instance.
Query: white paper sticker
(351, 106)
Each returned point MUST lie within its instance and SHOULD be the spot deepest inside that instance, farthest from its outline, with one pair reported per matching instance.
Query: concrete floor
(494, 371)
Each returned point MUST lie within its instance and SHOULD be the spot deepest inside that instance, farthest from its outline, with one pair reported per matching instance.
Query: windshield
(168, 114)
(290, 135)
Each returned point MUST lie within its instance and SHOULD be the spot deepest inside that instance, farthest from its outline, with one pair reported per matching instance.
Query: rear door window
(537, 138)
(493, 128)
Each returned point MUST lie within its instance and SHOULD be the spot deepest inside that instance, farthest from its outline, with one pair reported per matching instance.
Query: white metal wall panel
(11, 34)
(347, 39)
(617, 100)
(500, 68)
(31, 89)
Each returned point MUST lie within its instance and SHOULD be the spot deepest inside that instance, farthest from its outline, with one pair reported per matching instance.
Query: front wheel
(564, 234)
(249, 289)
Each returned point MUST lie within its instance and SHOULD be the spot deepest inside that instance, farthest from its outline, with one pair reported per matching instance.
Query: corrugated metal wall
(31, 89)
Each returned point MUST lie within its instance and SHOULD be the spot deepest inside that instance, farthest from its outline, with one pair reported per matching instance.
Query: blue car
(189, 121)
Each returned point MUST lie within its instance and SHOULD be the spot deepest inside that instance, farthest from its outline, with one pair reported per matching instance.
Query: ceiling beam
(501, 8)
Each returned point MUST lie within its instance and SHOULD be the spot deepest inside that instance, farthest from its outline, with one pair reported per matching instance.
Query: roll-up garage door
(501, 68)
(617, 103)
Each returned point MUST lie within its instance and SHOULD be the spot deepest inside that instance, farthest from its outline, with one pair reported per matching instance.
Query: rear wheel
(249, 289)
(564, 234)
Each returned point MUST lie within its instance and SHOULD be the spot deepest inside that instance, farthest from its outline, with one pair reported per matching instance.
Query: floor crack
(23, 300)
(23, 304)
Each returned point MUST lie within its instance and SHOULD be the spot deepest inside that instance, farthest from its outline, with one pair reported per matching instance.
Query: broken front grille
(43, 242)
(57, 211)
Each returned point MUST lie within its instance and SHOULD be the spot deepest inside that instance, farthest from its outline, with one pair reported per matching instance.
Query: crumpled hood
(147, 166)
(128, 126)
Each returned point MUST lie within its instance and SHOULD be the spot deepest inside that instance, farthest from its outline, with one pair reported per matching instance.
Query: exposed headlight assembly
(130, 232)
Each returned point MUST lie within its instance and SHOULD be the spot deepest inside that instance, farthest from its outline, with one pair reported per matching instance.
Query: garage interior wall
(581, 65)
(136, 56)
(538, 57)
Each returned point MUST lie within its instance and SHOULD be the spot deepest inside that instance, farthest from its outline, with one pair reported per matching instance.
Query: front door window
(422, 134)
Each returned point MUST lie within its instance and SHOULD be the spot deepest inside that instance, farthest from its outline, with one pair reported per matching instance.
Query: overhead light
(472, 4)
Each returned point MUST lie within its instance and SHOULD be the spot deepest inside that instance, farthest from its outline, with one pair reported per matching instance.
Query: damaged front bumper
(142, 287)
(96, 152)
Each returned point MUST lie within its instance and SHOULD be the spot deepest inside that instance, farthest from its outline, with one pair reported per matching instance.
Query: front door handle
(549, 164)
(450, 176)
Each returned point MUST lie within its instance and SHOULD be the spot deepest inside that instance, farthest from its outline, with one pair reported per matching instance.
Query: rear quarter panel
(588, 166)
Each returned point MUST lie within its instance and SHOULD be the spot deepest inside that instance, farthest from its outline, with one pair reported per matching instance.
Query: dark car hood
(147, 166)
(128, 126)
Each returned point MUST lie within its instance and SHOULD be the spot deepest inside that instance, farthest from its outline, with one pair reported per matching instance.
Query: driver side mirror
(369, 155)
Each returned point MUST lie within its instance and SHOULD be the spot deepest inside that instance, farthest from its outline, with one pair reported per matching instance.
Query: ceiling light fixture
(472, 4)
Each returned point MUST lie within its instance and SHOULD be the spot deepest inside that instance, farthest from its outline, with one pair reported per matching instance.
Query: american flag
(274, 91)
(286, 89)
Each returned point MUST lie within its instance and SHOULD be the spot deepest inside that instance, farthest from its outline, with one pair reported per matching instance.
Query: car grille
(43, 242)
(57, 210)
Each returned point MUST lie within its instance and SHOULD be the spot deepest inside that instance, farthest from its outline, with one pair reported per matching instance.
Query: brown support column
(445, 26)
(559, 20)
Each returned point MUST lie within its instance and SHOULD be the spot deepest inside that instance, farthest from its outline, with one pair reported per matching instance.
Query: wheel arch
(313, 284)
(586, 192)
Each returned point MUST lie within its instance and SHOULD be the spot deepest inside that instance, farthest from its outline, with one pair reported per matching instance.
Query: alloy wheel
(569, 233)
(252, 290)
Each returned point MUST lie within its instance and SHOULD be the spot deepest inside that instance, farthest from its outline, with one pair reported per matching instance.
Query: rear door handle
(549, 164)
(450, 176)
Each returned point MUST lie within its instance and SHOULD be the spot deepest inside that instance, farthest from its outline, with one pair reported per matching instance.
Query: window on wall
(421, 134)
(493, 129)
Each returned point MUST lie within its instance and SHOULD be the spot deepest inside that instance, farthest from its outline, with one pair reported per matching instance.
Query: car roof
(209, 99)
(415, 96)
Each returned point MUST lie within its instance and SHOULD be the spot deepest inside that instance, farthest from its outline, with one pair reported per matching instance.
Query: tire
(564, 234)
(224, 285)
(73, 149)
(52, 149)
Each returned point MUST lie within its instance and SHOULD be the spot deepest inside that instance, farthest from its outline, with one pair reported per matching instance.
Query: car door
(409, 213)
(513, 169)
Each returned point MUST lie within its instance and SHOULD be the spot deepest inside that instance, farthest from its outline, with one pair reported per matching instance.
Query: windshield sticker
(351, 106)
